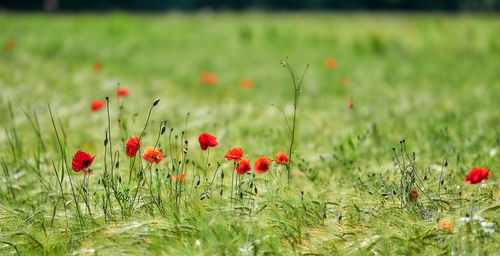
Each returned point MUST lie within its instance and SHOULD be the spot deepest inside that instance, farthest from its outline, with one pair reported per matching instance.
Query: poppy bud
(106, 141)
(84, 189)
(154, 103)
(393, 148)
(117, 164)
(221, 192)
(169, 175)
(107, 98)
(255, 189)
(445, 163)
(163, 129)
(120, 179)
(340, 217)
(222, 175)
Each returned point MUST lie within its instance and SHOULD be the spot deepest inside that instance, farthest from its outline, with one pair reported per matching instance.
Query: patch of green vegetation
(432, 80)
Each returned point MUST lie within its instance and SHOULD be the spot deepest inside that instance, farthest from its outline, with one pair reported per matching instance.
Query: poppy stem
(232, 180)
(206, 164)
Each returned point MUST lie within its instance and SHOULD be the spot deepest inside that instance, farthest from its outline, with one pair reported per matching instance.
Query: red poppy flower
(477, 175)
(243, 166)
(208, 78)
(152, 155)
(97, 104)
(10, 45)
(133, 144)
(97, 67)
(351, 104)
(344, 81)
(206, 140)
(82, 161)
(122, 92)
(446, 226)
(281, 158)
(246, 84)
(330, 63)
(234, 154)
(180, 177)
(413, 195)
(262, 164)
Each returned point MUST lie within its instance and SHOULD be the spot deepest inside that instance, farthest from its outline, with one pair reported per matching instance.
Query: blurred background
(192, 5)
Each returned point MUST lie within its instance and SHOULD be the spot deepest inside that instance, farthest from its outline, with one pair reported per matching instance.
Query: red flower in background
(152, 155)
(10, 45)
(477, 175)
(243, 166)
(97, 104)
(281, 158)
(330, 63)
(206, 140)
(97, 67)
(122, 92)
(351, 104)
(82, 161)
(179, 178)
(413, 195)
(133, 144)
(262, 164)
(234, 154)
(208, 78)
(246, 84)
(344, 81)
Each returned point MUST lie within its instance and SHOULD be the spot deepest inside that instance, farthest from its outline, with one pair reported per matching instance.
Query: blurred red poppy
(234, 154)
(351, 104)
(330, 63)
(344, 81)
(179, 178)
(246, 84)
(477, 175)
(97, 104)
(10, 45)
(413, 195)
(152, 155)
(133, 144)
(243, 166)
(206, 140)
(122, 92)
(81, 162)
(262, 164)
(281, 158)
(209, 78)
(97, 67)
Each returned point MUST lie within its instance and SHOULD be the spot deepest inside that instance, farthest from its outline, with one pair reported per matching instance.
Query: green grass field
(432, 80)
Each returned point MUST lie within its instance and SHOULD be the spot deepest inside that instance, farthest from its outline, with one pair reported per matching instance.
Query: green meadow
(426, 84)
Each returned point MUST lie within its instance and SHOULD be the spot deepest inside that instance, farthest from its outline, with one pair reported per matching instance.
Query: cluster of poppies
(82, 161)
(242, 164)
(121, 92)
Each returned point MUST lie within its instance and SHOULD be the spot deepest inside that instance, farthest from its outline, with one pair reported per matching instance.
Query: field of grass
(432, 80)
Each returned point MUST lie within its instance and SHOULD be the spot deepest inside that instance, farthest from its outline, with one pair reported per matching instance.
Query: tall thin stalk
(297, 86)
